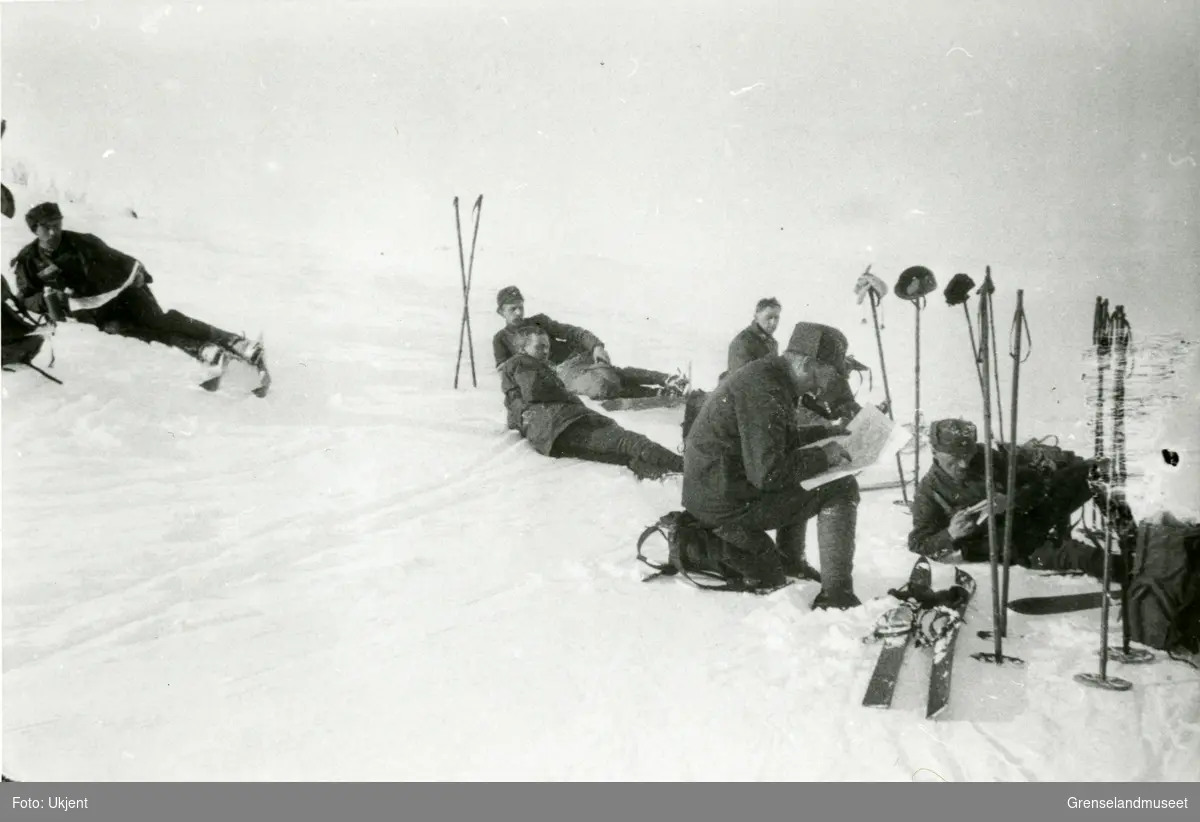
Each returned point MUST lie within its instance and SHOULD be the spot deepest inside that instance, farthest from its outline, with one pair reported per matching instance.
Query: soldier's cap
(823, 343)
(507, 296)
(957, 437)
(959, 289)
(42, 213)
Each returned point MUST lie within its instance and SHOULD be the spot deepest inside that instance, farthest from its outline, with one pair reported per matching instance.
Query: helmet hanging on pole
(915, 283)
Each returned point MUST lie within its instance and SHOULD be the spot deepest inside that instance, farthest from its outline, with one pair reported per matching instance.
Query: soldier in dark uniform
(746, 456)
(578, 356)
(558, 424)
(61, 264)
(756, 340)
(1043, 506)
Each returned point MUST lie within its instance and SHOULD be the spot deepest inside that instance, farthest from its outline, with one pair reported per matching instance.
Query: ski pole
(1122, 335)
(1120, 341)
(43, 373)
(958, 292)
(1104, 336)
(1015, 352)
(465, 327)
(478, 209)
(989, 479)
(887, 391)
(917, 394)
(995, 360)
(974, 348)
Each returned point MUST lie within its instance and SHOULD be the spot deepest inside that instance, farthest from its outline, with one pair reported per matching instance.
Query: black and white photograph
(608, 391)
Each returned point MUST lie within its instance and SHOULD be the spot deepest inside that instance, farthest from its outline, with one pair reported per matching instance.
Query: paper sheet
(872, 438)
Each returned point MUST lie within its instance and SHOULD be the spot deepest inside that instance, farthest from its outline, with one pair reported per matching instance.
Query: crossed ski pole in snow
(467, 269)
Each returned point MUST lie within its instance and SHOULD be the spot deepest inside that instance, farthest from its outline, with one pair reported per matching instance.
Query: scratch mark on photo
(960, 48)
(1171, 159)
(635, 68)
(744, 90)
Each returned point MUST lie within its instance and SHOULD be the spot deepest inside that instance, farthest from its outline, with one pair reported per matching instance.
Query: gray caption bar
(463, 802)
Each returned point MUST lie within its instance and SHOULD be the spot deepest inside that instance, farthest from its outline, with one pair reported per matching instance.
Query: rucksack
(696, 551)
(1044, 455)
(1164, 591)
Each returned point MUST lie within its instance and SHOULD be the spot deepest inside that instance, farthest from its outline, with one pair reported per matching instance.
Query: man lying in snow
(558, 424)
(578, 356)
(1045, 501)
(63, 265)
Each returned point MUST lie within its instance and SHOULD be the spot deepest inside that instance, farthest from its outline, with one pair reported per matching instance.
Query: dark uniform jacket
(746, 443)
(538, 404)
(565, 340)
(939, 496)
(752, 343)
(86, 265)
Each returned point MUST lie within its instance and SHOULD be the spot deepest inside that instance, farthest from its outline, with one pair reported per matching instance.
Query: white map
(872, 438)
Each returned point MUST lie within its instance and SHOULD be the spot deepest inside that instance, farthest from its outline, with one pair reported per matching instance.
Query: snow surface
(365, 576)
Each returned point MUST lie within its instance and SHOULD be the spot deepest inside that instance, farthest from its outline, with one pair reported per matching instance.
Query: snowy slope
(365, 576)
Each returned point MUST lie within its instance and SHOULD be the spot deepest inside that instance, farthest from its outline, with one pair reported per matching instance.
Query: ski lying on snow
(641, 403)
(895, 629)
(927, 619)
(1061, 603)
(944, 626)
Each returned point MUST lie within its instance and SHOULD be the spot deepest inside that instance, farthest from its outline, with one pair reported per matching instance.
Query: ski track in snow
(365, 576)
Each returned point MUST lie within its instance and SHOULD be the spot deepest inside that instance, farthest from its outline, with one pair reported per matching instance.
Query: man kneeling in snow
(61, 265)
(1045, 501)
(578, 356)
(558, 424)
(746, 456)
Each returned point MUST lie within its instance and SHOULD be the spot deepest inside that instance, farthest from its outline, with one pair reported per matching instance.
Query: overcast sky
(744, 141)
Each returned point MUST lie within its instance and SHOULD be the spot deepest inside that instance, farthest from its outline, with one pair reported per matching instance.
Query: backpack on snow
(696, 551)
(1164, 588)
